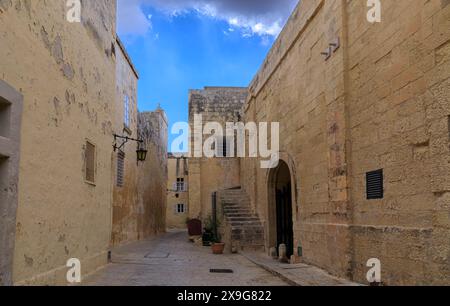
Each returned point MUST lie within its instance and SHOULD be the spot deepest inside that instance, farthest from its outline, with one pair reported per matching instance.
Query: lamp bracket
(124, 139)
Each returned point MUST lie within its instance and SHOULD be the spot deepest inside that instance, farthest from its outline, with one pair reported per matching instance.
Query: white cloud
(252, 17)
(132, 20)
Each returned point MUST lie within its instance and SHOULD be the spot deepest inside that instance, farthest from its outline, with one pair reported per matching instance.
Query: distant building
(150, 211)
(207, 175)
(177, 191)
(136, 216)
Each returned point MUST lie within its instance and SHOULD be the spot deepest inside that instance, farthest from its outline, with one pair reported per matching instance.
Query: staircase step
(240, 215)
(231, 210)
(243, 219)
(246, 227)
(245, 224)
(237, 211)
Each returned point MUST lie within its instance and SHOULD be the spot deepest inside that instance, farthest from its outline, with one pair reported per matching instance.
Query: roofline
(127, 56)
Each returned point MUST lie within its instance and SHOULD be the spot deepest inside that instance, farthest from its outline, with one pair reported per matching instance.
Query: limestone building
(207, 175)
(177, 191)
(364, 116)
(61, 102)
(364, 143)
(124, 224)
(152, 175)
(139, 199)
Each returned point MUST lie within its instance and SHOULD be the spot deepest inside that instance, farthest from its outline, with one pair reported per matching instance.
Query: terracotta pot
(218, 248)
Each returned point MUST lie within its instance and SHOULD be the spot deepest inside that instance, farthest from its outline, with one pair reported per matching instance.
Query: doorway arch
(281, 188)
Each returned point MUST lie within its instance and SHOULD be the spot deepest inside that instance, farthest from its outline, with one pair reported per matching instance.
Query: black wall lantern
(140, 152)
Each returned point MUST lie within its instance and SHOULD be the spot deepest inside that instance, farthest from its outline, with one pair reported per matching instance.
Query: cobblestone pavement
(171, 260)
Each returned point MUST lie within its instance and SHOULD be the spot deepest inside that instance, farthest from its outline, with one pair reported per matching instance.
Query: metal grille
(375, 186)
(221, 271)
(120, 169)
(90, 162)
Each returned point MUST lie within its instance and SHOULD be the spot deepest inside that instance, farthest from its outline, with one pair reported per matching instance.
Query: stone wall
(152, 175)
(379, 102)
(398, 106)
(11, 105)
(208, 175)
(66, 74)
(125, 197)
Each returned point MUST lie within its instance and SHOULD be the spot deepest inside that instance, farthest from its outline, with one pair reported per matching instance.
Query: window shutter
(375, 185)
(90, 162)
(120, 169)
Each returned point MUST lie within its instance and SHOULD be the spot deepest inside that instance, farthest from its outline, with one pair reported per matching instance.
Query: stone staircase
(245, 230)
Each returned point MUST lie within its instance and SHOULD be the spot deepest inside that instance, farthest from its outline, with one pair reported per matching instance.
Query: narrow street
(171, 260)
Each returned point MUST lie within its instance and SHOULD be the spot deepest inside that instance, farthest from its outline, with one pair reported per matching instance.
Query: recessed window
(90, 162)
(375, 185)
(224, 147)
(180, 209)
(120, 169)
(5, 120)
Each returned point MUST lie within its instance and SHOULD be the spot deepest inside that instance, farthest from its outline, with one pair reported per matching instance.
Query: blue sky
(189, 46)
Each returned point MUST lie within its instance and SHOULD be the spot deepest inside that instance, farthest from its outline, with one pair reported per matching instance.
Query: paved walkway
(171, 260)
(297, 274)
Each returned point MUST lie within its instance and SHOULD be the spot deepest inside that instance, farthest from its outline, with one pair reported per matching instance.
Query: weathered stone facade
(152, 175)
(177, 191)
(125, 168)
(208, 175)
(381, 101)
(66, 74)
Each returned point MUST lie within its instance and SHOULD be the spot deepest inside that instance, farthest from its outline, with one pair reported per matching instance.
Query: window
(180, 209)
(225, 147)
(374, 185)
(120, 169)
(5, 117)
(90, 162)
(180, 185)
(126, 111)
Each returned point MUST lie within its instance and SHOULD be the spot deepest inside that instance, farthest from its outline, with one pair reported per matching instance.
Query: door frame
(271, 176)
(12, 104)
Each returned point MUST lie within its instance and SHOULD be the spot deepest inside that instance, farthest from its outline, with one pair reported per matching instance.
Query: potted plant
(208, 232)
(218, 247)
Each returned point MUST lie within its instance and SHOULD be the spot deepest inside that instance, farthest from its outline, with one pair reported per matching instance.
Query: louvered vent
(120, 169)
(374, 183)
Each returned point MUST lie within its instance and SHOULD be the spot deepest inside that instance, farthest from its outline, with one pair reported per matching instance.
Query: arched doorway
(280, 211)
